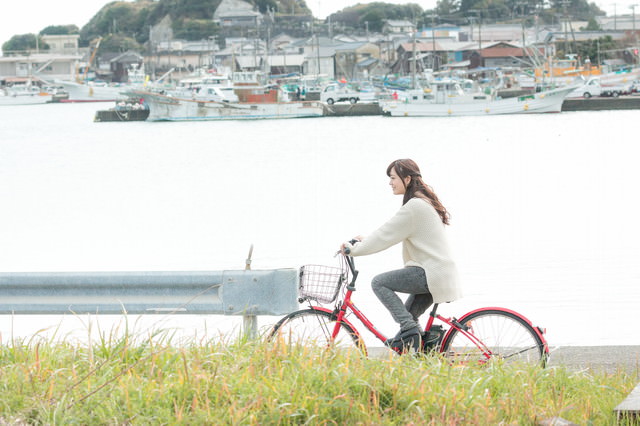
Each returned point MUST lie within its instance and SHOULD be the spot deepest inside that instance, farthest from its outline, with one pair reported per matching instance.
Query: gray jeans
(410, 280)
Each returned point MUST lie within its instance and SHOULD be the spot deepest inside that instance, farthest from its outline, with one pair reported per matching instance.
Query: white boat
(248, 98)
(207, 88)
(24, 94)
(174, 108)
(101, 91)
(447, 98)
(93, 91)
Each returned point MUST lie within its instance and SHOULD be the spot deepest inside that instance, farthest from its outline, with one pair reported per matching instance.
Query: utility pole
(413, 59)
(318, 57)
(433, 42)
(522, 5)
(479, 12)
(633, 16)
(566, 21)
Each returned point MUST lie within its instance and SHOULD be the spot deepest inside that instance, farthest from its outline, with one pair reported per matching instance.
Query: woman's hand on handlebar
(345, 248)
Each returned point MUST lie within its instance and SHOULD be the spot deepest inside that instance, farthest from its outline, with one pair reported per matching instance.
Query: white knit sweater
(424, 244)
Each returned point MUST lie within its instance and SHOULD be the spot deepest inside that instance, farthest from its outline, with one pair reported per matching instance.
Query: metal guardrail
(235, 292)
(244, 292)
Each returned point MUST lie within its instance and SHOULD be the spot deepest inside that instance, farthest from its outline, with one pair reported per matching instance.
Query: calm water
(544, 207)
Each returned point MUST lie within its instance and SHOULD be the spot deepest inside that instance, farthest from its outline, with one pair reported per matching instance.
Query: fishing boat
(24, 94)
(250, 99)
(126, 110)
(567, 68)
(448, 98)
(102, 91)
(171, 108)
(93, 91)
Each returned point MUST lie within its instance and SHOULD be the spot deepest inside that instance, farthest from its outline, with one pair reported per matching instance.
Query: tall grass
(151, 380)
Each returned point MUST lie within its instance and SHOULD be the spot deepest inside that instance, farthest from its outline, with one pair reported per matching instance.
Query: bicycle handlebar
(346, 252)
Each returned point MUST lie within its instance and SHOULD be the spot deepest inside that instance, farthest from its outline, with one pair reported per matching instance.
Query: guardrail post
(249, 322)
(250, 326)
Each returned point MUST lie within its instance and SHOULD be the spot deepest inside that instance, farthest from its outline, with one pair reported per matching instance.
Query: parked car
(594, 87)
(333, 93)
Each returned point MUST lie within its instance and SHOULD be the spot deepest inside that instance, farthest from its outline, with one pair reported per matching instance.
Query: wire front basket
(320, 283)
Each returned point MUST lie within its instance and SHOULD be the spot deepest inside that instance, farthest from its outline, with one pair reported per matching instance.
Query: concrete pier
(348, 110)
(572, 104)
(601, 104)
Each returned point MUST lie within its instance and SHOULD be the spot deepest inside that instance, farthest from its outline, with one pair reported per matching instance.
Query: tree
(128, 19)
(266, 5)
(118, 43)
(194, 29)
(23, 43)
(446, 8)
(375, 14)
(374, 20)
(597, 49)
(60, 30)
(592, 25)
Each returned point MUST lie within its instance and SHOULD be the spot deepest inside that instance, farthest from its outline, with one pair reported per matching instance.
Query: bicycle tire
(313, 327)
(508, 335)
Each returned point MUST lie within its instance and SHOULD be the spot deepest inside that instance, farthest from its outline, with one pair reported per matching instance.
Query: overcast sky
(22, 17)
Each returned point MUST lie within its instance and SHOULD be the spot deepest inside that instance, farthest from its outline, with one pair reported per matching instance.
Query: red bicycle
(477, 337)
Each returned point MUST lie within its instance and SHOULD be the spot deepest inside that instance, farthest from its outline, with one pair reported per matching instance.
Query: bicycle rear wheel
(505, 334)
(314, 327)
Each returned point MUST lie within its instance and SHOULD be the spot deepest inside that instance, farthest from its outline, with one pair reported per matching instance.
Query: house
(120, 65)
(285, 64)
(398, 27)
(355, 61)
(62, 44)
(455, 54)
(486, 34)
(501, 55)
(281, 42)
(319, 53)
(44, 66)
(441, 31)
(619, 22)
(236, 13)
(425, 52)
(180, 55)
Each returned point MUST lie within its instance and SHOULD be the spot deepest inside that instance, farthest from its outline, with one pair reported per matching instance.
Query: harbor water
(544, 208)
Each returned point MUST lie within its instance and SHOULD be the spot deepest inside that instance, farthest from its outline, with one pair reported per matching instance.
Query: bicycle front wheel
(314, 327)
(502, 334)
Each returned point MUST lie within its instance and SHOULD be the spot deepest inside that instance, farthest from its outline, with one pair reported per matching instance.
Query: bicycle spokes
(494, 334)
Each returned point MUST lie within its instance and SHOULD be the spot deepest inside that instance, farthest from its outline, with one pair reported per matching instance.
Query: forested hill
(126, 25)
(191, 19)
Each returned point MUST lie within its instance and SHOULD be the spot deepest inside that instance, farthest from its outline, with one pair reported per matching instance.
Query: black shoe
(406, 340)
(402, 335)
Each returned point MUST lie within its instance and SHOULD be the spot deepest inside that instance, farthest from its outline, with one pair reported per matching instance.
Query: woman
(429, 274)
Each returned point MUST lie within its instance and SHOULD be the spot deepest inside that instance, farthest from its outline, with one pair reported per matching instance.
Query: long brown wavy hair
(416, 187)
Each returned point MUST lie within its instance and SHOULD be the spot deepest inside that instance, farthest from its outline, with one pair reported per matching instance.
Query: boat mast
(413, 62)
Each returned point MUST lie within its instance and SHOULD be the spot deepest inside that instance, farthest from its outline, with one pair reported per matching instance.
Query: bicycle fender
(496, 308)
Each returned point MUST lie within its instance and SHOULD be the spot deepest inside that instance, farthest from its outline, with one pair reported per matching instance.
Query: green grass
(127, 380)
